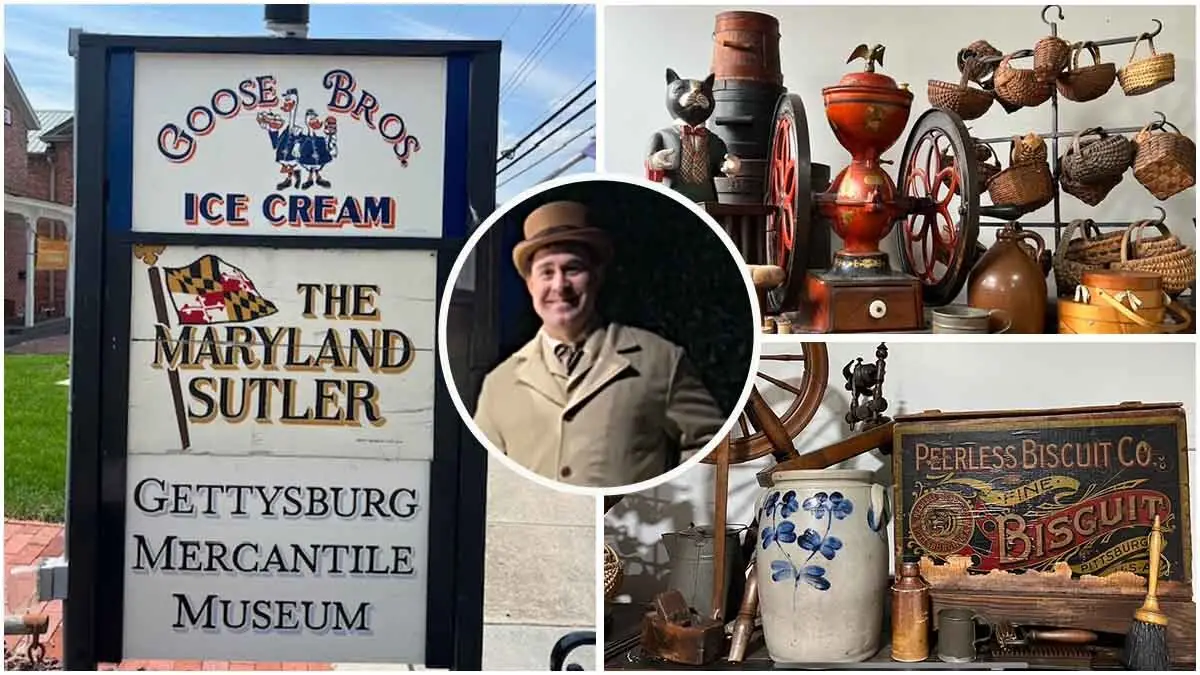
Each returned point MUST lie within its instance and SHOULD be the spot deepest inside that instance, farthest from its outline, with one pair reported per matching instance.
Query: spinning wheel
(938, 241)
(746, 442)
(789, 191)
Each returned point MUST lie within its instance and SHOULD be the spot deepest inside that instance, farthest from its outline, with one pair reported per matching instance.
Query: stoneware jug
(822, 566)
(1009, 277)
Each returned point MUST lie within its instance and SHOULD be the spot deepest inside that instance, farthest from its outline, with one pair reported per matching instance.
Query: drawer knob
(877, 309)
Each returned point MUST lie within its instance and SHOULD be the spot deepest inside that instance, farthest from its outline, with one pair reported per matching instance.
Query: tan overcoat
(631, 410)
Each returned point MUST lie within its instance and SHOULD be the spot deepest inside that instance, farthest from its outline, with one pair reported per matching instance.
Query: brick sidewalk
(25, 543)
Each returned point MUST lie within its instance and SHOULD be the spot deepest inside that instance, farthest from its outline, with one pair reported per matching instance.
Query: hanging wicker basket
(1019, 86)
(1028, 149)
(1148, 74)
(1098, 159)
(1051, 55)
(1164, 162)
(965, 101)
(1089, 193)
(1087, 83)
(1028, 186)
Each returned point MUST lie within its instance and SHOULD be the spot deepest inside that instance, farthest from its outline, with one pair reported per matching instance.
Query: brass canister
(910, 615)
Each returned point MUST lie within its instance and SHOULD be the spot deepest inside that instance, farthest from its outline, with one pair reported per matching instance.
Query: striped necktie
(568, 355)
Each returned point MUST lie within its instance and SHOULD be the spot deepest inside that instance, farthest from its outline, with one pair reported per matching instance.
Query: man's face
(563, 284)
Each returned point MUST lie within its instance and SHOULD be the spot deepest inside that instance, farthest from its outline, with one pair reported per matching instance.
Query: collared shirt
(555, 365)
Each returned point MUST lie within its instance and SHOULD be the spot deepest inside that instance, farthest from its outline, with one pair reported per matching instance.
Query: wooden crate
(1003, 525)
(1024, 489)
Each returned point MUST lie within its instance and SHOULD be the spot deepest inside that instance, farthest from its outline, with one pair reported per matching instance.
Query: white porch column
(31, 221)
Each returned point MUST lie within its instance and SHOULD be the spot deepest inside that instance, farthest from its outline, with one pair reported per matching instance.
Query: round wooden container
(1108, 311)
(746, 47)
(1081, 318)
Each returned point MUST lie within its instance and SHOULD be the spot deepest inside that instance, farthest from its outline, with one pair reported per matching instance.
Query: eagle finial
(871, 55)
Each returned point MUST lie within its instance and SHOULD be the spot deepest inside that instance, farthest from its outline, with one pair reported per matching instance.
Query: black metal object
(287, 20)
(95, 528)
(567, 644)
(864, 381)
(789, 142)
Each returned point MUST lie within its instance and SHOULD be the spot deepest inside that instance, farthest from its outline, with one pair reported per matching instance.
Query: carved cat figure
(687, 155)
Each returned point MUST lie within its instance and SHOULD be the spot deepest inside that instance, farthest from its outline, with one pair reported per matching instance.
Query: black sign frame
(100, 340)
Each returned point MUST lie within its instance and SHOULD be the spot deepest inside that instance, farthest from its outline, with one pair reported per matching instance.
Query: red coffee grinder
(860, 291)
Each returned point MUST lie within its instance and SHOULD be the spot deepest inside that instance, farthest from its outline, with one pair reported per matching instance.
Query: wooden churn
(1121, 302)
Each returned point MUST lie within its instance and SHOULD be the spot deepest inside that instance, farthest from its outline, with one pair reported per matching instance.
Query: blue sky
(35, 42)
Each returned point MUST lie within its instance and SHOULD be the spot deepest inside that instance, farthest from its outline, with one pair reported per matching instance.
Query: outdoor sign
(261, 444)
(52, 254)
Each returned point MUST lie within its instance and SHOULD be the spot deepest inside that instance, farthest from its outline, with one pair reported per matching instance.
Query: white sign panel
(288, 145)
(270, 559)
(281, 408)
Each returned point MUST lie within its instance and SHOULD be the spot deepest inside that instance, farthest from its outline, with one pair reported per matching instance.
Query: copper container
(910, 615)
(1009, 278)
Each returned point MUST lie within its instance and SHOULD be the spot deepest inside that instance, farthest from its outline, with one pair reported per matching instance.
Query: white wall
(920, 376)
(640, 42)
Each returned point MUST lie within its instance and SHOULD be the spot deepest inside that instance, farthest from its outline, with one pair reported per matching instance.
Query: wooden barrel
(746, 47)
(743, 116)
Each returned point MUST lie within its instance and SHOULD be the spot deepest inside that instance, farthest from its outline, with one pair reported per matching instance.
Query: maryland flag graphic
(211, 290)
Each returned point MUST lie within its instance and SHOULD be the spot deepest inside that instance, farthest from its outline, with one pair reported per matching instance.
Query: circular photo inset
(609, 329)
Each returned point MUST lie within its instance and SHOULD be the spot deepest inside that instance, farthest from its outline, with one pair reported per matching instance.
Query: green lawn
(35, 437)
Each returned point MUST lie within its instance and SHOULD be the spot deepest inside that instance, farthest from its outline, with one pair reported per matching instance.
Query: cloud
(36, 39)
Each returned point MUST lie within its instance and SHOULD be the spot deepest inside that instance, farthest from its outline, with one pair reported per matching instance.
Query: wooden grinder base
(835, 304)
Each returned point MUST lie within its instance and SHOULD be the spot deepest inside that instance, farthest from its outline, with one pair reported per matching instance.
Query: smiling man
(586, 401)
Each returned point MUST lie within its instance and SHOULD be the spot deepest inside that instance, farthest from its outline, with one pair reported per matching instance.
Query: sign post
(265, 464)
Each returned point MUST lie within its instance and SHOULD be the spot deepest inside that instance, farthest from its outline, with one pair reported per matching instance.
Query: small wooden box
(841, 305)
(696, 645)
(1024, 489)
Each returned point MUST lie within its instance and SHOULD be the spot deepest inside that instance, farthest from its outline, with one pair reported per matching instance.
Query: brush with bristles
(1146, 643)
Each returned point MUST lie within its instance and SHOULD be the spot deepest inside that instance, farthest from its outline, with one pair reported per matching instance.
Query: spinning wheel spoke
(939, 168)
(747, 442)
(783, 357)
(782, 384)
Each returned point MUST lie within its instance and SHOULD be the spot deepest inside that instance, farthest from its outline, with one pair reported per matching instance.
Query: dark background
(670, 274)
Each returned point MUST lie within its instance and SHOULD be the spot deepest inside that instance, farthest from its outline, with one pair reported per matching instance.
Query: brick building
(39, 193)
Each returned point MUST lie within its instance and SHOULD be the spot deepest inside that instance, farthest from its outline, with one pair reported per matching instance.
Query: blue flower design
(827, 546)
(782, 569)
(790, 505)
(769, 505)
(784, 533)
(814, 575)
(839, 506)
(817, 504)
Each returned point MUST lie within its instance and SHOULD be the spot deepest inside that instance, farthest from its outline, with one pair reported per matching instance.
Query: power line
(563, 96)
(543, 138)
(508, 153)
(537, 46)
(545, 157)
(549, 47)
(511, 23)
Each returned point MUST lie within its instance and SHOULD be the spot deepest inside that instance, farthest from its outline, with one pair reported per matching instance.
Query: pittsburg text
(171, 553)
(271, 397)
(1123, 452)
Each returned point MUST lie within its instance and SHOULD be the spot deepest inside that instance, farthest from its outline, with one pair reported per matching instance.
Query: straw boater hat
(560, 223)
